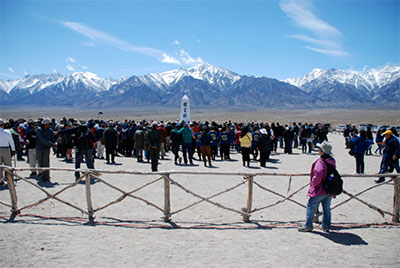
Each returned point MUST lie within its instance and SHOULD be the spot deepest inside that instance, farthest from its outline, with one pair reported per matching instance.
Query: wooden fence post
(396, 201)
(167, 198)
(89, 199)
(13, 194)
(246, 218)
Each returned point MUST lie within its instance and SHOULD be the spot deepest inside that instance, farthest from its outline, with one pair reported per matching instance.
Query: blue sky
(277, 39)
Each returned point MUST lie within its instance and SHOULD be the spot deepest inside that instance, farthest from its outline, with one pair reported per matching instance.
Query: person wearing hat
(45, 140)
(7, 148)
(264, 146)
(316, 192)
(390, 158)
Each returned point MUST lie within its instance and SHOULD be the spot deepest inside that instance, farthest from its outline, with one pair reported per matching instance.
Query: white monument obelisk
(185, 109)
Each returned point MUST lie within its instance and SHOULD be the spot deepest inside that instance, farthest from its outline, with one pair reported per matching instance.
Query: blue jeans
(313, 204)
(187, 152)
(385, 167)
(78, 159)
(359, 163)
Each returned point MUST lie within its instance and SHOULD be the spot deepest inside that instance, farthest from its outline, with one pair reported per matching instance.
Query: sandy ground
(236, 114)
(132, 234)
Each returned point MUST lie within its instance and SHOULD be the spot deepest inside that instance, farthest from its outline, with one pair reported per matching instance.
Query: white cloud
(328, 38)
(84, 67)
(9, 75)
(187, 59)
(70, 68)
(54, 70)
(332, 52)
(70, 60)
(11, 69)
(176, 42)
(316, 42)
(169, 59)
(101, 38)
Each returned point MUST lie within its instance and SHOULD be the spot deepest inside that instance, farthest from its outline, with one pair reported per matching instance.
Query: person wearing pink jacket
(316, 192)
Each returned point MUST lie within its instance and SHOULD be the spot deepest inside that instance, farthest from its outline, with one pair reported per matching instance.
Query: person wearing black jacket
(154, 141)
(320, 134)
(176, 141)
(84, 141)
(265, 146)
(31, 146)
(110, 136)
(370, 136)
(288, 136)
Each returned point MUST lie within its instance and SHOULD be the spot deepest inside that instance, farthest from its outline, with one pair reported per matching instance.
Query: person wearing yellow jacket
(245, 143)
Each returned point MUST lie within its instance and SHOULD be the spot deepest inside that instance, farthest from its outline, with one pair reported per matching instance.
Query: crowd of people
(150, 141)
(204, 141)
(359, 143)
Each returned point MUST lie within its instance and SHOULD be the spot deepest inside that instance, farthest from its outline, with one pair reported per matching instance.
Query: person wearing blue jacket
(214, 142)
(391, 154)
(225, 141)
(254, 145)
(361, 145)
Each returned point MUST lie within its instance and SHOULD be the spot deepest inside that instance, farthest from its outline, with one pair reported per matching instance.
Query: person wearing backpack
(317, 192)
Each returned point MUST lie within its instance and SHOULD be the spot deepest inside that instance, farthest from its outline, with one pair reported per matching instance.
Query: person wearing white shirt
(6, 143)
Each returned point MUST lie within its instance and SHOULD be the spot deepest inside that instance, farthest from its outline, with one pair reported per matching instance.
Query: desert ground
(235, 114)
(132, 234)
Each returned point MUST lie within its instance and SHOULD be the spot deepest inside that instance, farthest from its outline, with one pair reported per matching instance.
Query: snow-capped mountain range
(370, 80)
(207, 85)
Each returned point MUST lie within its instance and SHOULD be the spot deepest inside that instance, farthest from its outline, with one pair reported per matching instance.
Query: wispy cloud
(70, 68)
(70, 60)
(54, 70)
(73, 65)
(101, 38)
(333, 52)
(9, 75)
(11, 69)
(187, 59)
(327, 38)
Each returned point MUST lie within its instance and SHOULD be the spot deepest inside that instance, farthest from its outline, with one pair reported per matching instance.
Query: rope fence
(251, 179)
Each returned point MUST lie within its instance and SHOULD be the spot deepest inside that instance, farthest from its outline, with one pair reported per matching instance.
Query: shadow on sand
(346, 239)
